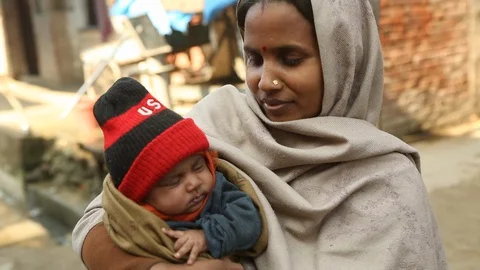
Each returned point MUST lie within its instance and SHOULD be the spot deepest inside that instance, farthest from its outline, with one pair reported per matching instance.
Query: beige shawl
(139, 232)
(338, 192)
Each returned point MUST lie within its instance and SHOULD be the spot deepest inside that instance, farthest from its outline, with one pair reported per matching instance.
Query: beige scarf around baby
(338, 192)
(139, 232)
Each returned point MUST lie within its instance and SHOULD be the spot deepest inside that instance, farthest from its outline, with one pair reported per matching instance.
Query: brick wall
(425, 44)
(475, 52)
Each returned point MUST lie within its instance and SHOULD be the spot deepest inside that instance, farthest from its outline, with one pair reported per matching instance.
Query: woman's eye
(254, 59)
(292, 61)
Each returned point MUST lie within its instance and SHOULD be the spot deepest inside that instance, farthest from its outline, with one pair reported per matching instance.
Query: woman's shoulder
(220, 112)
(227, 94)
(224, 92)
(392, 176)
(393, 169)
(388, 184)
(384, 203)
(390, 164)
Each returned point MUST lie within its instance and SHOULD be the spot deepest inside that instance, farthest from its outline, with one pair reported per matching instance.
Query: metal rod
(89, 82)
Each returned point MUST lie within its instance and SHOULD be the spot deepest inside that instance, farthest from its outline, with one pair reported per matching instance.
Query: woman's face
(284, 71)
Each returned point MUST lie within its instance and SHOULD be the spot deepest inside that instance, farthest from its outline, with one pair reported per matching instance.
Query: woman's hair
(303, 6)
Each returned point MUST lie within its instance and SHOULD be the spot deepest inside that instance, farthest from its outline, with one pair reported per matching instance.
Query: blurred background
(58, 56)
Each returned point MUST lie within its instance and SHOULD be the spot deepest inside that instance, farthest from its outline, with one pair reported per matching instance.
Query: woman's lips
(275, 105)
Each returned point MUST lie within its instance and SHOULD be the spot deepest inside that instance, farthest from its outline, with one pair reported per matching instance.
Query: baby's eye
(199, 165)
(170, 182)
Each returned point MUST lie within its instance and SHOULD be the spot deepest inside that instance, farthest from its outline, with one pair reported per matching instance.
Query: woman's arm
(200, 265)
(92, 217)
(100, 252)
(94, 245)
(97, 250)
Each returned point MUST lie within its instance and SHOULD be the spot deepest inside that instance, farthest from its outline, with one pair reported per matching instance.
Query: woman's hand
(224, 264)
(192, 241)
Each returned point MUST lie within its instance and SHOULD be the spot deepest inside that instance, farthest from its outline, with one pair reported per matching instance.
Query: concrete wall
(4, 61)
(57, 24)
(12, 40)
(77, 21)
(426, 50)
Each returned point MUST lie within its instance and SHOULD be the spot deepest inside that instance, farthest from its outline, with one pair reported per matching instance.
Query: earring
(275, 82)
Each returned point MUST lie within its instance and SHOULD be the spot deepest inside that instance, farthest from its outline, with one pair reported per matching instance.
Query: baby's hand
(192, 241)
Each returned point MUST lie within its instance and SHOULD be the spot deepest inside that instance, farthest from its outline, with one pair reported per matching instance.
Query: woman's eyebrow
(250, 49)
(284, 48)
(290, 48)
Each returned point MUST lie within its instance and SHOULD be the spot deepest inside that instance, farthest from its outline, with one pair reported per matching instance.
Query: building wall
(77, 22)
(12, 39)
(475, 52)
(426, 49)
(4, 61)
(57, 24)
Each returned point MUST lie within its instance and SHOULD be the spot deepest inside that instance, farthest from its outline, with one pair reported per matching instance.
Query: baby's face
(184, 188)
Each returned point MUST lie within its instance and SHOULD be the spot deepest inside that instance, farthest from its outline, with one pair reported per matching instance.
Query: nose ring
(275, 82)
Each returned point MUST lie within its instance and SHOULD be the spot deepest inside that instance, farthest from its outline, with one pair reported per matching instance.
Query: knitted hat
(143, 138)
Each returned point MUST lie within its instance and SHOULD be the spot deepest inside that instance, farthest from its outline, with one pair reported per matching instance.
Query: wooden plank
(21, 231)
(187, 6)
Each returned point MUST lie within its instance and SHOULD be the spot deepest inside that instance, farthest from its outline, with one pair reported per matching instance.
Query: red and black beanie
(143, 138)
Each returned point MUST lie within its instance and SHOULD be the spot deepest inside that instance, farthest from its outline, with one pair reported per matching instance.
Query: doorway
(28, 37)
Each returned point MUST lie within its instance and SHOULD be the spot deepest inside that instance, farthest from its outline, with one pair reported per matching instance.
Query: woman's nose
(269, 81)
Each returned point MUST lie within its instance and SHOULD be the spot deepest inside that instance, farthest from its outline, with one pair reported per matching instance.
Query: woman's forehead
(276, 23)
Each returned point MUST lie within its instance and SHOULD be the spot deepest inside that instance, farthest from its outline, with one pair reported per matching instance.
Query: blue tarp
(164, 21)
(213, 7)
(153, 9)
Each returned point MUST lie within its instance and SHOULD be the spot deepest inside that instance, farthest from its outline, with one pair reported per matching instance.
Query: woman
(338, 192)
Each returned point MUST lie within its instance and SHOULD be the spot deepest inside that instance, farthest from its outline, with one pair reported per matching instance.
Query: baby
(164, 184)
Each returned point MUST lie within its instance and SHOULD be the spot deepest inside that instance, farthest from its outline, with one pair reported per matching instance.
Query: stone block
(65, 207)
(20, 153)
(20, 232)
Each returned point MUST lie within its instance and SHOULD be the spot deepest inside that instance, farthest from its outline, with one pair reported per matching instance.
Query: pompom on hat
(144, 139)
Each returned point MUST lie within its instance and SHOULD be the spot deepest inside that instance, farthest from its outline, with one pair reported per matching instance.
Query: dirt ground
(458, 215)
(451, 171)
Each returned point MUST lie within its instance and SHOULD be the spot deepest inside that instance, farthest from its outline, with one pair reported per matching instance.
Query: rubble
(72, 166)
